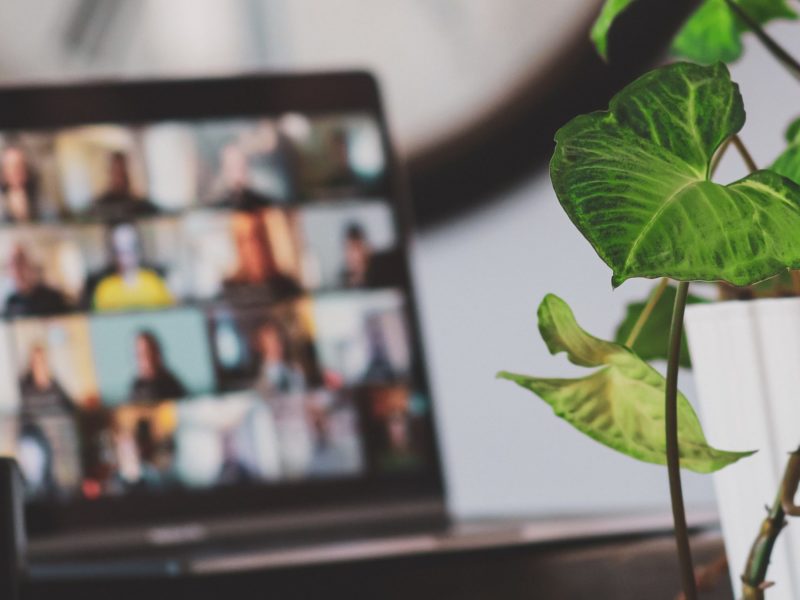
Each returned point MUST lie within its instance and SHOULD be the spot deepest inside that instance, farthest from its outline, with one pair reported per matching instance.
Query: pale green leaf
(788, 163)
(635, 181)
(620, 405)
(599, 34)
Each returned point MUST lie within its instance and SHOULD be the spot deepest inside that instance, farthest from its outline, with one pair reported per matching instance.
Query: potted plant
(637, 182)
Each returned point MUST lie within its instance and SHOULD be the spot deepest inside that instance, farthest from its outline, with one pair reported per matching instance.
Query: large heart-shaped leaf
(711, 34)
(788, 163)
(620, 405)
(635, 181)
(653, 340)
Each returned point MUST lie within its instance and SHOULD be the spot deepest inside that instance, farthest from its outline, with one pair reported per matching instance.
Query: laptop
(209, 336)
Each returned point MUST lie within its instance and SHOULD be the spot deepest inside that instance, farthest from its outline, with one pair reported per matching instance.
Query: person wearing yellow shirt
(130, 286)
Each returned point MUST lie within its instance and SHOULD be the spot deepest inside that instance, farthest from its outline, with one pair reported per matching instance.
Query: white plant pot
(746, 366)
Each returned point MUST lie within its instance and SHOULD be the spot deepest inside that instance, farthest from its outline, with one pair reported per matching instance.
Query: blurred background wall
(443, 63)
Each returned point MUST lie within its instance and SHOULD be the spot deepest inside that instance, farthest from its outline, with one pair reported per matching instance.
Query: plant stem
(673, 448)
(746, 156)
(755, 572)
(718, 157)
(655, 296)
(780, 54)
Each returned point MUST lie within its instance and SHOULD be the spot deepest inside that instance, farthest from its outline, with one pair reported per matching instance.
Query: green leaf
(714, 33)
(653, 339)
(621, 405)
(788, 163)
(635, 181)
(711, 34)
(793, 132)
(599, 34)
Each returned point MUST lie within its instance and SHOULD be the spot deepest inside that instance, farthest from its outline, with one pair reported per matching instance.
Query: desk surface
(256, 553)
(614, 557)
(623, 569)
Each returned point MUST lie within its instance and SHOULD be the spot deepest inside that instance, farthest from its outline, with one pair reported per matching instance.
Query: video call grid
(126, 223)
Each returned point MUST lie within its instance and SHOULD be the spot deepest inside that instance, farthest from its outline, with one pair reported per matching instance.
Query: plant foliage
(653, 339)
(788, 163)
(602, 26)
(712, 33)
(635, 181)
(621, 405)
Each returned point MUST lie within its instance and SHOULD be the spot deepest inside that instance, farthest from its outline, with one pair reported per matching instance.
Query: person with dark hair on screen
(143, 462)
(119, 201)
(365, 267)
(341, 173)
(357, 257)
(277, 371)
(149, 475)
(18, 187)
(30, 296)
(128, 284)
(256, 266)
(238, 191)
(153, 380)
(155, 458)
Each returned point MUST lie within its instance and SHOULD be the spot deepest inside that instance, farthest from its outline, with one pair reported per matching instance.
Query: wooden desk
(489, 562)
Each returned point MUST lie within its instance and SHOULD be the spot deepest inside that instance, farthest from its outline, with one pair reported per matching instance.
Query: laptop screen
(206, 308)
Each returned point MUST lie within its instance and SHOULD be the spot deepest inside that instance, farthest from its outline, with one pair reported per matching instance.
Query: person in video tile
(149, 475)
(379, 367)
(256, 265)
(31, 296)
(239, 194)
(336, 445)
(128, 284)
(119, 201)
(342, 173)
(363, 267)
(42, 395)
(277, 372)
(18, 187)
(154, 380)
(232, 470)
(144, 452)
(397, 414)
(357, 257)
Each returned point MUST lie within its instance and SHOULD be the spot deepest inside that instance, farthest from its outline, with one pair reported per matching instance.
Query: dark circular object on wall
(472, 166)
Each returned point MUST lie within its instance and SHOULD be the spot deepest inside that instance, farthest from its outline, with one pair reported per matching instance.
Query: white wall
(480, 283)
